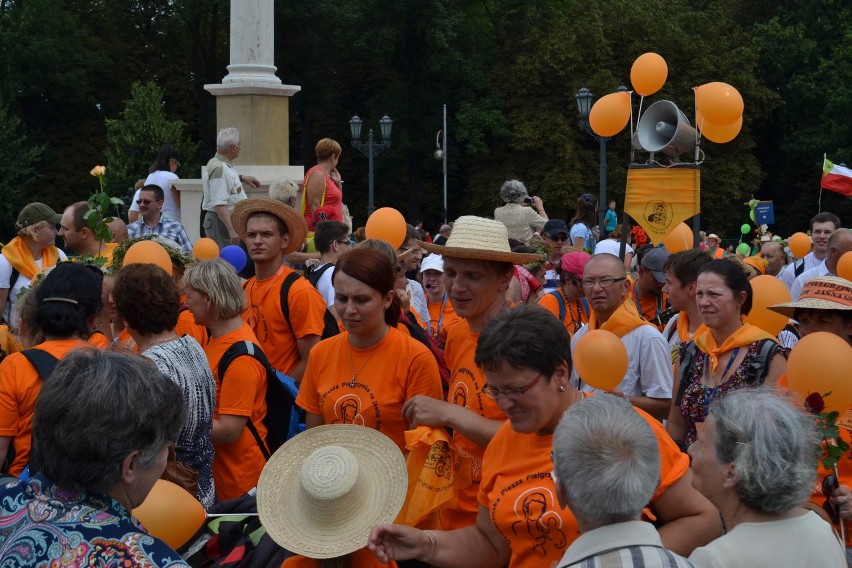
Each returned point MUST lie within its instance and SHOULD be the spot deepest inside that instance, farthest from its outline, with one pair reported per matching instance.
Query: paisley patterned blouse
(42, 525)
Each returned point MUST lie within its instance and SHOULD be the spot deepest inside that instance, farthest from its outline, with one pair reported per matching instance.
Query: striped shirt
(634, 544)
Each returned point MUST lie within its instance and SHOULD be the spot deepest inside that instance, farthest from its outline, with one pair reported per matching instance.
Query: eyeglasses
(493, 392)
(346, 242)
(602, 282)
(561, 239)
(144, 201)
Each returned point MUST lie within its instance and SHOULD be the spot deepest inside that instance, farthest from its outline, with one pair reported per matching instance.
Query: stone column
(252, 42)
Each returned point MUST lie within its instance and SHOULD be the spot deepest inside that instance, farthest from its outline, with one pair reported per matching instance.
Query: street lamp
(584, 99)
(441, 154)
(370, 148)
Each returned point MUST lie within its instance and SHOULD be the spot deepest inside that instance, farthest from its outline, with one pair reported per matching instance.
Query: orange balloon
(800, 244)
(601, 359)
(719, 103)
(648, 74)
(148, 252)
(820, 363)
(767, 291)
(721, 133)
(610, 114)
(844, 266)
(170, 513)
(205, 248)
(680, 239)
(386, 224)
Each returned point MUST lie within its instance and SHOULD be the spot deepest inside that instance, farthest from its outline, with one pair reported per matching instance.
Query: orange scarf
(624, 320)
(683, 327)
(745, 335)
(19, 256)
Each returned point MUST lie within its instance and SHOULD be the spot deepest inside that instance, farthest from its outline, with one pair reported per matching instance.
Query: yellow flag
(660, 198)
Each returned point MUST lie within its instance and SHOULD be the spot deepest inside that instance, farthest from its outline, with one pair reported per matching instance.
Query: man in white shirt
(332, 241)
(822, 225)
(839, 243)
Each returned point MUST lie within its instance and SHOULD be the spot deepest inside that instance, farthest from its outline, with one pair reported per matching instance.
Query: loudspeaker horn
(664, 128)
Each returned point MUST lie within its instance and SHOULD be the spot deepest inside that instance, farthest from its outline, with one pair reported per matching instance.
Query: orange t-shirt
(519, 495)
(575, 313)
(443, 316)
(387, 374)
(648, 306)
(99, 340)
(19, 388)
(186, 326)
(263, 314)
(237, 466)
(362, 558)
(466, 382)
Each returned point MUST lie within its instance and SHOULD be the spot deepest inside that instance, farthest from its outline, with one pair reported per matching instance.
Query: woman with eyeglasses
(525, 353)
(568, 302)
(28, 254)
(364, 375)
(162, 173)
(725, 355)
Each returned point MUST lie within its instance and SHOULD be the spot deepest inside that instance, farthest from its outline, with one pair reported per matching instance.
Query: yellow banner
(659, 198)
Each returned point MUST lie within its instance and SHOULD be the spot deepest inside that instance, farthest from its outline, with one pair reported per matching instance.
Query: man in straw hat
(478, 266)
(323, 491)
(271, 229)
(825, 304)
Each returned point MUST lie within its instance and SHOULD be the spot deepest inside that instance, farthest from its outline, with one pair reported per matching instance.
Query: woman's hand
(404, 298)
(841, 498)
(398, 542)
(335, 177)
(424, 410)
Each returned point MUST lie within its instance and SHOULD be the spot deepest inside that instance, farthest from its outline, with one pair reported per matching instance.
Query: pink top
(331, 208)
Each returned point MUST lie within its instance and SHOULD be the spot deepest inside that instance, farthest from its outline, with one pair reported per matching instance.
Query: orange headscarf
(19, 256)
(745, 335)
(624, 320)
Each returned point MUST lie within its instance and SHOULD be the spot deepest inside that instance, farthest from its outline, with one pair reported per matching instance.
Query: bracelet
(433, 540)
(627, 397)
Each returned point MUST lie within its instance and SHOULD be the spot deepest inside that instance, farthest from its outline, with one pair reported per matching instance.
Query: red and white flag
(836, 178)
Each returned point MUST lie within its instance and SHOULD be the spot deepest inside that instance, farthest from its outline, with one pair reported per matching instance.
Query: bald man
(773, 254)
(839, 243)
(648, 381)
(118, 228)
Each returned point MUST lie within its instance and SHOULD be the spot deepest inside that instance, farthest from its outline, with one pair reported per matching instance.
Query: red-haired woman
(322, 199)
(364, 375)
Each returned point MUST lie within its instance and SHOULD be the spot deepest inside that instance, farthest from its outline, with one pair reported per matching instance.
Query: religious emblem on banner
(659, 198)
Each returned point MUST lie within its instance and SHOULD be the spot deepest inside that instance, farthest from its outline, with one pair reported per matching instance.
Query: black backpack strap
(799, 267)
(314, 276)
(686, 360)
(759, 367)
(285, 291)
(238, 350)
(42, 361)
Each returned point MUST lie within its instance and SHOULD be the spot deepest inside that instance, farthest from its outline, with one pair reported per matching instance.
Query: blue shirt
(42, 524)
(610, 221)
(166, 228)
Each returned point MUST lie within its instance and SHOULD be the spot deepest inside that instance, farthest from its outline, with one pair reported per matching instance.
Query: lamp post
(370, 148)
(441, 154)
(584, 99)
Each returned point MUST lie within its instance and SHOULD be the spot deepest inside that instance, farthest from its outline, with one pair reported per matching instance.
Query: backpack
(330, 327)
(562, 306)
(44, 364)
(313, 276)
(420, 335)
(757, 369)
(799, 267)
(280, 399)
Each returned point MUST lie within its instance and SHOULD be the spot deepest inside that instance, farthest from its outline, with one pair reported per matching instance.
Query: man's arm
(225, 216)
(656, 407)
(303, 346)
(227, 428)
(689, 519)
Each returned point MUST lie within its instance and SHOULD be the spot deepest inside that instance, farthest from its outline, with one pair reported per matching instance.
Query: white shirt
(796, 289)
(649, 364)
(20, 283)
(165, 180)
(802, 541)
(788, 274)
(613, 247)
(325, 287)
(419, 304)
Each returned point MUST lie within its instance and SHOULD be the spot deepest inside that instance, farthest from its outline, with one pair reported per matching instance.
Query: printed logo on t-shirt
(466, 390)
(359, 407)
(258, 324)
(537, 522)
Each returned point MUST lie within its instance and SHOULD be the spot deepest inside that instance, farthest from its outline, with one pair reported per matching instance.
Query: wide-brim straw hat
(296, 226)
(322, 492)
(478, 238)
(823, 293)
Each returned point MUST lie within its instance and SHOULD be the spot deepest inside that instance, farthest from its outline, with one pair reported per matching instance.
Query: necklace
(352, 365)
(160, 341)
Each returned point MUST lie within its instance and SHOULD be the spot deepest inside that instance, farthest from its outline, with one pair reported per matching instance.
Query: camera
(528, 200)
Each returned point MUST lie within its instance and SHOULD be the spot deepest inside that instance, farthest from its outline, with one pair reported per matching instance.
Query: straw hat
(323, 491)
(478, 238)
(296, 226)
(823, 293)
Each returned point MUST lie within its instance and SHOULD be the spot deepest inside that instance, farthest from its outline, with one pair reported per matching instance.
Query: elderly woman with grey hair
(523, 215)
(755, 460)
(607, 484)
(102, 428)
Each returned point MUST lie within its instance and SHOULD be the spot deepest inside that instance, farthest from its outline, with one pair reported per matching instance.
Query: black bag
(330, 328)
(313, 276)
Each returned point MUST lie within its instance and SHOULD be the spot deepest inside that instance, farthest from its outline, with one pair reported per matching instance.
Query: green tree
(134, 139)
(18, 157)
